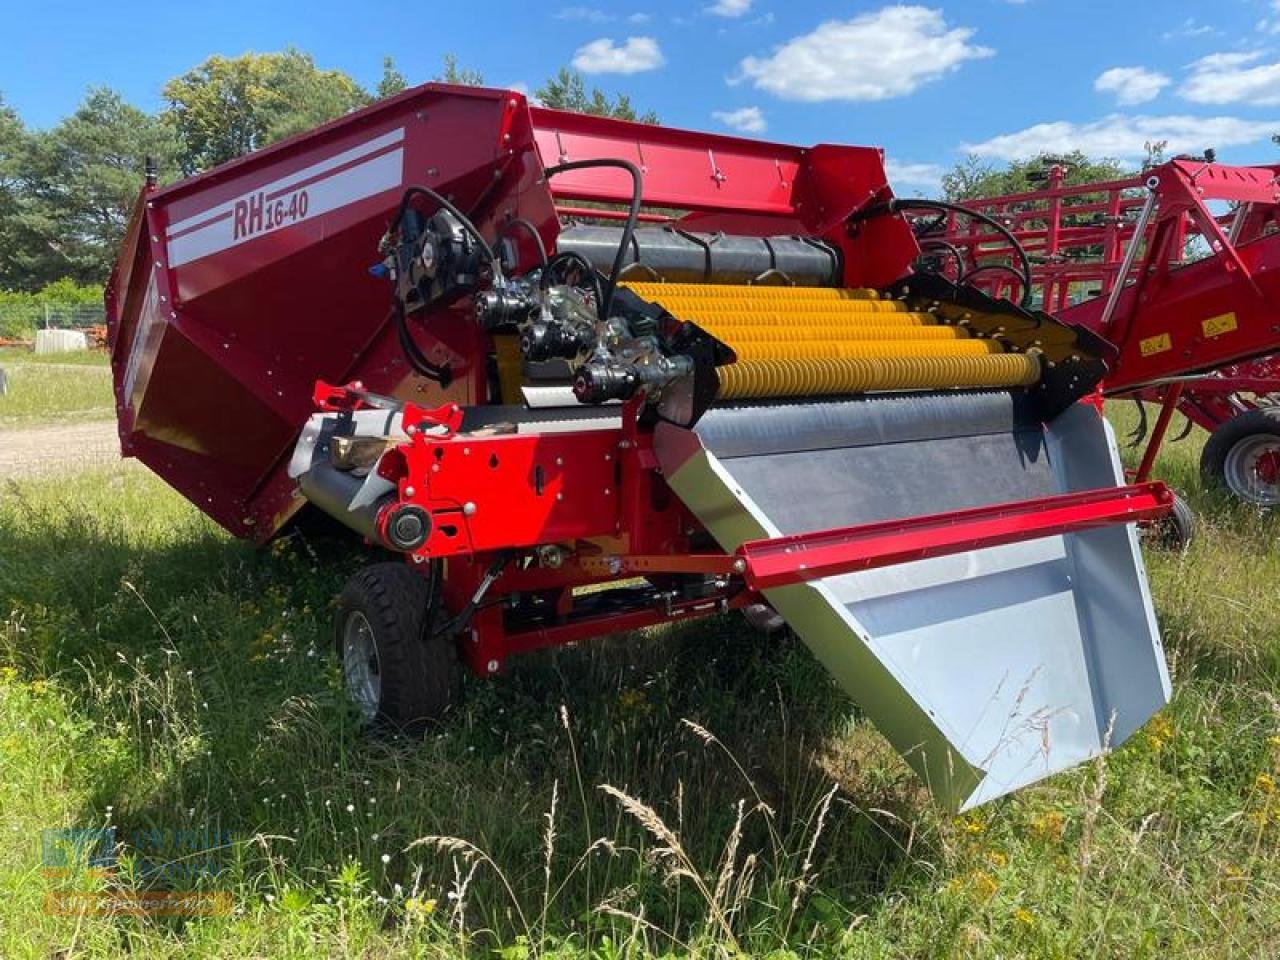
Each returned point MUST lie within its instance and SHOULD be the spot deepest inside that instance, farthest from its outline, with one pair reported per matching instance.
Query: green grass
(55, 388)
(156, 674)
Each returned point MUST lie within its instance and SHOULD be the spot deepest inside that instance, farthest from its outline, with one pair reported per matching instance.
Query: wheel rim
(1250, 469)
(360, 668)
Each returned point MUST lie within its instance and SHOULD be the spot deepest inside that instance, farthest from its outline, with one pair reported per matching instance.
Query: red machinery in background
(586, 376)
(1185, 294)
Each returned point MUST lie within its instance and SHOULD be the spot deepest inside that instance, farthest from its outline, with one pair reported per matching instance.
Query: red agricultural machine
(588, 376)
(1186, 294)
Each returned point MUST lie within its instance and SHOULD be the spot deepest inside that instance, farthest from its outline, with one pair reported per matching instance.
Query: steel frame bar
(812, 556)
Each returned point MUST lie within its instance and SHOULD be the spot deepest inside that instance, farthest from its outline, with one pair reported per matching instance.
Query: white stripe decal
(306, 173)
(253, 215)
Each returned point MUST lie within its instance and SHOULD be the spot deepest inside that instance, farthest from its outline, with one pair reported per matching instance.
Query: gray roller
(679, 256)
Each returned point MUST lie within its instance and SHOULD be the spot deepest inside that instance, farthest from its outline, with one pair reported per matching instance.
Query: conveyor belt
(987, 670)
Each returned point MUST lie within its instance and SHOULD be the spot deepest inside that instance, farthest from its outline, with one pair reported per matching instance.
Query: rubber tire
(1213, 459)
(1175, 531)
(418, 669)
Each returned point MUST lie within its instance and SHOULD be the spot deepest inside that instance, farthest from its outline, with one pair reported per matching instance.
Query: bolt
(419, 559)
(559, 461)
(607, 491)
(409, 491)
(411, 429)
(739, 566)
(468, 509)
(559, 496)
(492, 666)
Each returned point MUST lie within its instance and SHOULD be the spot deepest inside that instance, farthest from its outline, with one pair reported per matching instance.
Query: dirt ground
(25, 451)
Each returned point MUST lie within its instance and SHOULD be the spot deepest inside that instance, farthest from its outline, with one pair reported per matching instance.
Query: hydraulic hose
(628, 228)
(899, 204)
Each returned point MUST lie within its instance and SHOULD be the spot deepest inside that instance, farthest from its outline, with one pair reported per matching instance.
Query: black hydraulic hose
(939, 244)
(633, 215)
(411, 192)
(913, 203)
(530, 229)
(441, 374)
(417, 359)
(588, 271)
(984, 267)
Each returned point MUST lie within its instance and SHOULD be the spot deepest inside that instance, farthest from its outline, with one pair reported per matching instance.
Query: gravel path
(26, 451)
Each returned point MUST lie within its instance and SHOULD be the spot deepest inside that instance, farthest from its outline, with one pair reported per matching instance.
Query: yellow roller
(810, 349)
(650, 290)
(731, 332)
(829, 376)
(723, 313)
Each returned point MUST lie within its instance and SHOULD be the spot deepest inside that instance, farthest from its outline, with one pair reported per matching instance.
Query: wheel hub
(1252, 469)
(360, 668)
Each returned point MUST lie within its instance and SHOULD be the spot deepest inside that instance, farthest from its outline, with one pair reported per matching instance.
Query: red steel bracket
(811, 556)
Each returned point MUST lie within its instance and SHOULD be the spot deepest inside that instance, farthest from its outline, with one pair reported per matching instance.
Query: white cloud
(887, 53)
(729, 8)
(633, 55)
(1131, 84)
(596, 15)
(590, 14)
(1271, 24)
(1122, 136)
(1233, 78)
(744, 119)
(1190, 27)
(926, 177)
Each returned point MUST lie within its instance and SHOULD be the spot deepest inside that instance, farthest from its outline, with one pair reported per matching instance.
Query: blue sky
(929, 81)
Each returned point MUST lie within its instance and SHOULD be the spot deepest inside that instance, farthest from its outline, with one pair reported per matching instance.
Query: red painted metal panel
(811, 556)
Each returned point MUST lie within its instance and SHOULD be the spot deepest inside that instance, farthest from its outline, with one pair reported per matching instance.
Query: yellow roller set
(814, 341)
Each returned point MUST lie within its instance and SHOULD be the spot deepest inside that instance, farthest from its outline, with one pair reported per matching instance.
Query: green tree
(228, 106)
(80, 181)
(974, 178)
(568, 91)
(392, 81)
(454, 74)
(14, 238)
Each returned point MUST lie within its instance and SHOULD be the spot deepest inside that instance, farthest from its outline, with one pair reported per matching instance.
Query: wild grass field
(55, 388)
(700, 790)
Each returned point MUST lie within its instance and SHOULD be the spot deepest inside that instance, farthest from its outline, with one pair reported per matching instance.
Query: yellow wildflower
(1049, 825)
(984, 885)
(419, 908)
(1273, 740)
(1024, 917)
(974, 825)
(8, 673)
(997, 859)
(1265, 782)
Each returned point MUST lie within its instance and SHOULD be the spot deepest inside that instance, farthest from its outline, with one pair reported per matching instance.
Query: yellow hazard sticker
(1157, 344)
(1217, 326)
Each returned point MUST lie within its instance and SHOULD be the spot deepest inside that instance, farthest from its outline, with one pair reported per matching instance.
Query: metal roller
(836, 376)
(682, 256)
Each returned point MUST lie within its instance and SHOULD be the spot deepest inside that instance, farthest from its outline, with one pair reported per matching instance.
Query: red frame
(1207, 376)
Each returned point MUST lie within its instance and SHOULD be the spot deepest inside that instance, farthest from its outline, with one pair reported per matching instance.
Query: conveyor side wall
(987, 670)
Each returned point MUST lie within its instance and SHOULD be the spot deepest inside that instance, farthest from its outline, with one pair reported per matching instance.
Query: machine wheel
(1243, 455)
(398, 674)
(1174, 531)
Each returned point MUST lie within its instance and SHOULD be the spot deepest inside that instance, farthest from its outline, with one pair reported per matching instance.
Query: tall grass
(689, 791)
(55, 389)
